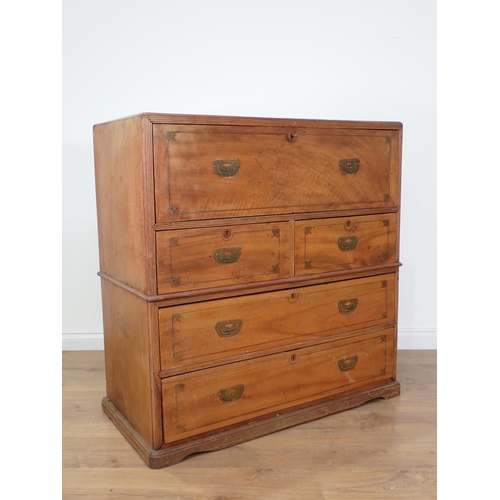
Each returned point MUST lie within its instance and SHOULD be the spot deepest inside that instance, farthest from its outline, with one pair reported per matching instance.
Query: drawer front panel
(211, 331)
(218, 171)
(327, 245)
(214, 398)
(191, 259)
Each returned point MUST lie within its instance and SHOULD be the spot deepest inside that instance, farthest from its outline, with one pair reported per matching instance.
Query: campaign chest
(249, 274)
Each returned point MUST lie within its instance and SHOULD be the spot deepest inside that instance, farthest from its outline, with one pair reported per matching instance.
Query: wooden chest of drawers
(249, 272)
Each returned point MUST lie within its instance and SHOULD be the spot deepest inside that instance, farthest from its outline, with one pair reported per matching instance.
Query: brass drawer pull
(231, 393)
(347, 243)
(226, 168)
(347, 364)
(347, 306)
(227, 255)
(228, 328)
(349, 166)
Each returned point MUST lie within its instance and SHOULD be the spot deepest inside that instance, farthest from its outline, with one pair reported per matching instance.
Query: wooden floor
(381, 450)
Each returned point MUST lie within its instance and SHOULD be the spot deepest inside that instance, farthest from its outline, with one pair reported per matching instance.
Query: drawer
(207, 400)
(191, 259)
(327, 245)
(205, 172)
(211, 331)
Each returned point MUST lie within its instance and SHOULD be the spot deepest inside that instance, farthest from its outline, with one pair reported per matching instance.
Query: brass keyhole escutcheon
(293, 297)
(293, 358)
(227, 234)
(291, 137)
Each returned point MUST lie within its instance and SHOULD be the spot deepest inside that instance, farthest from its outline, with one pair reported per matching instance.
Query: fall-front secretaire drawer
(191, 259)
(205, 400)
(327, 245)
(216, 330)
(205, 172)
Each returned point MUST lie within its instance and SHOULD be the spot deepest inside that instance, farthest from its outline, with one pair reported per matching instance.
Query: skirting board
(408, 339)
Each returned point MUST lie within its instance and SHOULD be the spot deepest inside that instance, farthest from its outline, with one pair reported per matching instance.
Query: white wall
(354, 60)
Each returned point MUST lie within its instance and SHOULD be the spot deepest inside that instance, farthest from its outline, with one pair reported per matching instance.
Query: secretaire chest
(249, 272)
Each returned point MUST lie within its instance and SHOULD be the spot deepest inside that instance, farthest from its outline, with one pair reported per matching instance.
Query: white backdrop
(353, 60)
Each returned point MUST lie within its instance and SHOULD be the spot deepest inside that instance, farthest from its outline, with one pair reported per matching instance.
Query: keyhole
(349, 225)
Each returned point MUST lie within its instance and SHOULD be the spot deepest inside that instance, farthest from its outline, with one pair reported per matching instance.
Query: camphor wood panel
(217, 330)
(326, 245)
(124, 209)
(210, 399)
(128, 364)
(210, 281)
(274, 170)
(190, 259)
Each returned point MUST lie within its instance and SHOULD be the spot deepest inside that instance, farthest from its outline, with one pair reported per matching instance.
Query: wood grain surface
(245, 174)
(385, 449)
(213, 330)
(257, 164)
(191, 259)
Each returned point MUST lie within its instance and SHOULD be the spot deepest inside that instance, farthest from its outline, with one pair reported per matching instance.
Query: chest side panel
(125, 198)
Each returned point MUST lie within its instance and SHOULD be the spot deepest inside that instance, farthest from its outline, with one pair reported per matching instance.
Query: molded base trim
(175, 453)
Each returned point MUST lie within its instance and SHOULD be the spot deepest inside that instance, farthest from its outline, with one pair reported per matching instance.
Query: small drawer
(207, 172)
(191, 259)
(210, 331)
(327, 245)
(211, 399)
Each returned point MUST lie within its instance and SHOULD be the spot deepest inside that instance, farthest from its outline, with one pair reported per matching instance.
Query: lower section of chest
(200, 376)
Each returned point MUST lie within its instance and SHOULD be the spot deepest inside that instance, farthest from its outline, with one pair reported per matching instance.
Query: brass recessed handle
(350, 166)
(226, 168)
(346, 243)
(227, 255)
(347, 306)
(228, 328)
(347, 364)
(231, 393)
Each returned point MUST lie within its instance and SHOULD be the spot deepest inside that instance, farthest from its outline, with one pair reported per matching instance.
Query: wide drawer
(191, 259)
(205, 172)
(327, 245)
(220, 329)
(210, 399)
